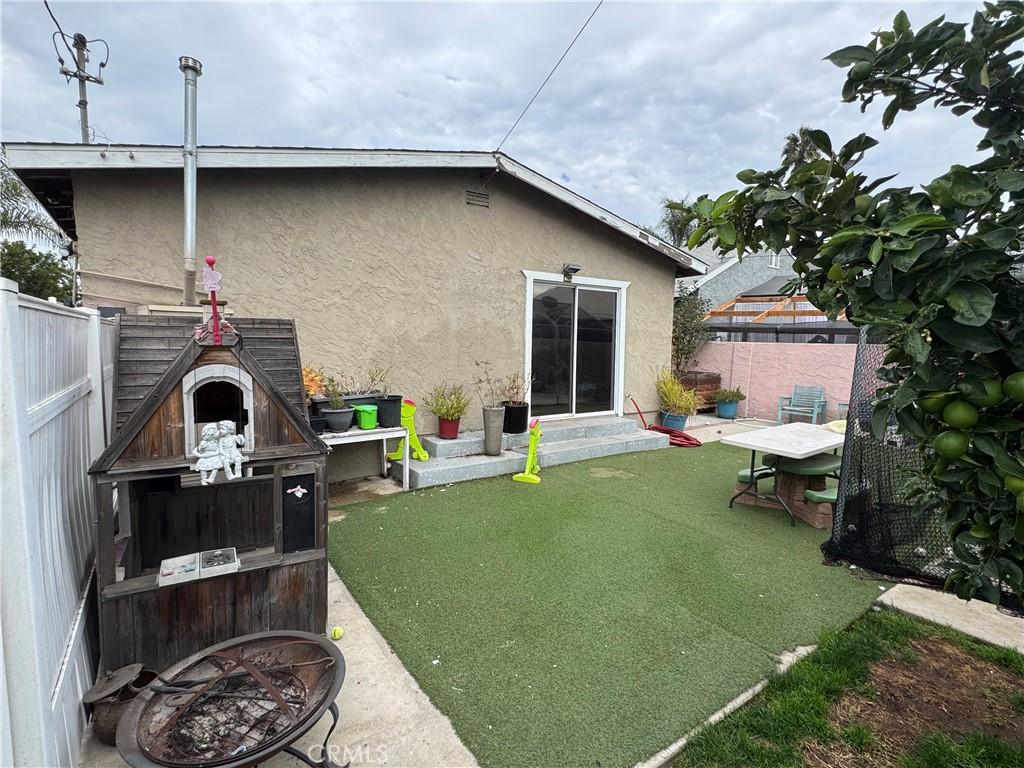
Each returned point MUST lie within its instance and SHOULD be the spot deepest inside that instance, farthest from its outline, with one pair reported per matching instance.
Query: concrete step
(454, 469)
(568, 451)
(469, 443)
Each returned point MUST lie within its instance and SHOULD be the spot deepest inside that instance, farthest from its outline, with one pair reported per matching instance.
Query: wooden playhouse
(253, 547)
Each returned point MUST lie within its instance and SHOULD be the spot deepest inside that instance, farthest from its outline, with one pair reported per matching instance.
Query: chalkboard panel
(298, 512)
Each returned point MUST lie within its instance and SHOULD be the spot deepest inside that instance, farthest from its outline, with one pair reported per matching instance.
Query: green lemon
(1014, 484)
(934, 402)
(993, 394)
(863, 203)
(951, 444)
(960, 414)
(1013, 386)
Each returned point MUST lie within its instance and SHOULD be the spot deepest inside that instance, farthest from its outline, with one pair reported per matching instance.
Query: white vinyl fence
(56, 368)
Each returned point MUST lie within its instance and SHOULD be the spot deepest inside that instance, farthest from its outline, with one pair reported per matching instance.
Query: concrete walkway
(982, 621)
(385, 718)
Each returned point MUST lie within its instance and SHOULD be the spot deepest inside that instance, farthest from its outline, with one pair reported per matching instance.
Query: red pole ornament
(211, 283)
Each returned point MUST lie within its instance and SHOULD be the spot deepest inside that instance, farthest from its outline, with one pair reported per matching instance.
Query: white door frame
(619, 287)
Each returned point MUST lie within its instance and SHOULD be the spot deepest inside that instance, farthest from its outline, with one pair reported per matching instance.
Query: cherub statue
(208, 454)
(231, 457)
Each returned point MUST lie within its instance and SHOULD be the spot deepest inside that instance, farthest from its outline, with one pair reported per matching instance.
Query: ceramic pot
(494, 422)
(447, 429)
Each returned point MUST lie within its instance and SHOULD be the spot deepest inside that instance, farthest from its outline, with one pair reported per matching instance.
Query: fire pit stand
(236, 704)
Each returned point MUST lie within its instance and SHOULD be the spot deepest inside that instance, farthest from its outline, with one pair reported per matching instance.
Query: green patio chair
(806, 400)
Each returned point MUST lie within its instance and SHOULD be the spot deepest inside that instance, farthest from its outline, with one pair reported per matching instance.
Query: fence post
(94, 363)
(28, 700)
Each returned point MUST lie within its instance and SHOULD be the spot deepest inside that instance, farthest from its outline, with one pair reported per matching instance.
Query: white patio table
(356, 435)
(794, 441)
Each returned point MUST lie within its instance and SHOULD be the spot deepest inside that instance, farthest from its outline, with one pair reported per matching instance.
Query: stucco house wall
(379, 267)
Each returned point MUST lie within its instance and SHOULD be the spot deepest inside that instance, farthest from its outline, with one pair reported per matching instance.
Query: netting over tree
(874, 526)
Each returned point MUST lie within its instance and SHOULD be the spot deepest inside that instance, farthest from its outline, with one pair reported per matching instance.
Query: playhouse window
(220, 401)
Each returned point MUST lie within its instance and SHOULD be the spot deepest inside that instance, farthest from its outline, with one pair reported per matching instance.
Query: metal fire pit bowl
(235, 704)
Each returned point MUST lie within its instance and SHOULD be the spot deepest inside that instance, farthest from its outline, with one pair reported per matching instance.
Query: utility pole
(83, 103)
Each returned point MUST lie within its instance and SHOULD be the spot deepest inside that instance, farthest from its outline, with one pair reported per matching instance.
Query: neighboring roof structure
(45, 169)
(148, 344)
(771, 287)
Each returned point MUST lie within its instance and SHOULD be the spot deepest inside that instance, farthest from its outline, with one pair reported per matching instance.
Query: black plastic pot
(370, 398)
(339, 419)
(318, 423)
(317, 403)
(517, 418)
(389, 410)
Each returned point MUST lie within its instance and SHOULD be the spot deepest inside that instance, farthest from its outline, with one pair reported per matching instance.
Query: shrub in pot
(313, 380)
(366, 389)
(728, 401)
(449, 403)
(338, 413)
(489, 391)
(517, 410)
(676, 401)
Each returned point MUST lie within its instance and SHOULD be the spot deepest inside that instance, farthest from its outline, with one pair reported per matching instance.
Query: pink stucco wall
(765, 371)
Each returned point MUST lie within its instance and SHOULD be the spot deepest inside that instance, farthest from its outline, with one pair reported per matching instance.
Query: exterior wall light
(568, 270)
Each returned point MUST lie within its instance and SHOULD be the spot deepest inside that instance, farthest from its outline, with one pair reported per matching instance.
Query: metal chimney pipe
(192, 68)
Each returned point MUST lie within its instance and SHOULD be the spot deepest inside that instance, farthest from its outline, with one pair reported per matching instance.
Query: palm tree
(21, 217)
(677, 221)
(799, 149)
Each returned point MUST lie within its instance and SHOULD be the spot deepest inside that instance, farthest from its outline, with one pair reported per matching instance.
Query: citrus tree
(935, 272)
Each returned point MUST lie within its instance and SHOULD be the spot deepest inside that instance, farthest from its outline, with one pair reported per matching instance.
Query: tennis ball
(337, 633)
(951, 444)
(960, 414)
(993, 394)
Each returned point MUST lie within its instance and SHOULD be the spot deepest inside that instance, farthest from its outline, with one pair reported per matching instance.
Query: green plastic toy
(532, 472)
(416, 449)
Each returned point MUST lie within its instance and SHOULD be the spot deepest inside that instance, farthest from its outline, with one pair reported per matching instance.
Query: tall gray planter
(494, 421)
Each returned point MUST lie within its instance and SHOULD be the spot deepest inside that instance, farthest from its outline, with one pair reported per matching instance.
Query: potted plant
(365, 390)
(728, 401)
(338, 413)
(676, 401)
(489, 391)
(449, 403)
(313, 382)
(517, 410)
(389, 406)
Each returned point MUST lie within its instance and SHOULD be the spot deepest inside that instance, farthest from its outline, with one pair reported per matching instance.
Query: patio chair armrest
(785, 399)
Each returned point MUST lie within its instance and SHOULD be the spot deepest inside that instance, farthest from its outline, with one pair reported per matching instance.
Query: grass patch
(940, 751)
(599, 616)
(796, 708)
(1017, 701)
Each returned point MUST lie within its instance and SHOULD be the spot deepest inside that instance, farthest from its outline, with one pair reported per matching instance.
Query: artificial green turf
(594, 618)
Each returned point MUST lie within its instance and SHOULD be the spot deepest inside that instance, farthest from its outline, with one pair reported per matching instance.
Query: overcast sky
(655, 100)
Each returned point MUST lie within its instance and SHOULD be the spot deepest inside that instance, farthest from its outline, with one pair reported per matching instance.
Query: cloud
(654, 101)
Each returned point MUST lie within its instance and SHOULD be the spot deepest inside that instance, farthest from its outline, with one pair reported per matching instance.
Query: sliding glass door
(573, 350)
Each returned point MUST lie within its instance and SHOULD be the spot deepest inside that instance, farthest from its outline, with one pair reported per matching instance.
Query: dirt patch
(935, 687)
(610, 473)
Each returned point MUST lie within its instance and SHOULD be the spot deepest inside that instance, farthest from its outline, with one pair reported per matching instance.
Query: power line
(564, 54)
(63, 35)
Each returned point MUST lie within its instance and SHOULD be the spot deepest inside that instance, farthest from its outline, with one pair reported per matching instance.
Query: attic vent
(483, 199)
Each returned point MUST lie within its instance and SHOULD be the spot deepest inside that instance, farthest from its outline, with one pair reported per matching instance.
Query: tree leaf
(901, 23)
(1010, 180)
(889, 115)
(696, 236)
(881, 281)
(904, 260)
(704, 207)
(968, 189)
(726, 233)
(851, 54)
(875, 254)
(977, 339)
(972, 302)
(821, 140)
(920, 221)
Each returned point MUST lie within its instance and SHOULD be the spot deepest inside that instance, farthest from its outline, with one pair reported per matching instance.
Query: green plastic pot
(366, 416)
